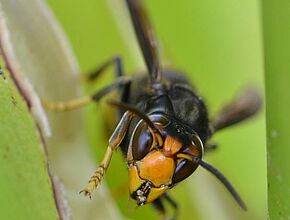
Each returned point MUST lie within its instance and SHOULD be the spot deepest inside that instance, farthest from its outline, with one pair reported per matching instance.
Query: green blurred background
(218, 45)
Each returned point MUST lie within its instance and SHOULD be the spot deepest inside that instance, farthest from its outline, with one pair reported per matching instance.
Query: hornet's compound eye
(142, 141)
(183, 170)
(159, 119)
(185, 167)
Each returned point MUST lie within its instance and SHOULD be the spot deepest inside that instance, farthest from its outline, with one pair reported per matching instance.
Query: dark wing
(146, 38)
(243, 107)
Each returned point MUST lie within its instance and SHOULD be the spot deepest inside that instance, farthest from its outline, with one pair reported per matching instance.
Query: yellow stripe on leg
(66, 106)
(96, 179)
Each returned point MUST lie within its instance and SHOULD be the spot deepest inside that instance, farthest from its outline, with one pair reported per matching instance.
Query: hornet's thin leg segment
(121, 82)
(159, 206)
(80, 102)
(173, 203)
(116, 61)
(114, 143)
(245, 106)
(66, 106)
(208, 147)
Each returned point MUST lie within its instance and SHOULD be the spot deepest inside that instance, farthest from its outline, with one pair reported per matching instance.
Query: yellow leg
(114, 143)
(66, 106)
(80, 102)
(96, 179)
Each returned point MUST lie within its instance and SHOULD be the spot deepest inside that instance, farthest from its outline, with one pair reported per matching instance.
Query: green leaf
(276, 18)
(37, 52)
(25, 182)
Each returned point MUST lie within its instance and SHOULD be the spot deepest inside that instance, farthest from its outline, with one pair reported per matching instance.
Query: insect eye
(142, 142)
(159, 119)
(183, 169)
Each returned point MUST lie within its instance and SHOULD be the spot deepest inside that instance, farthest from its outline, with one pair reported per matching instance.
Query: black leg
(238, 110)
(208, 147)
(116, 61)
(158, 205)
(79, 102)
(124, 90)
(173, 203)
(121, 82)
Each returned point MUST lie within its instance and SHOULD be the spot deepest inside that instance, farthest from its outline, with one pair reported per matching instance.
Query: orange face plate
(171, 146)
(157, 168)
(135, 182)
